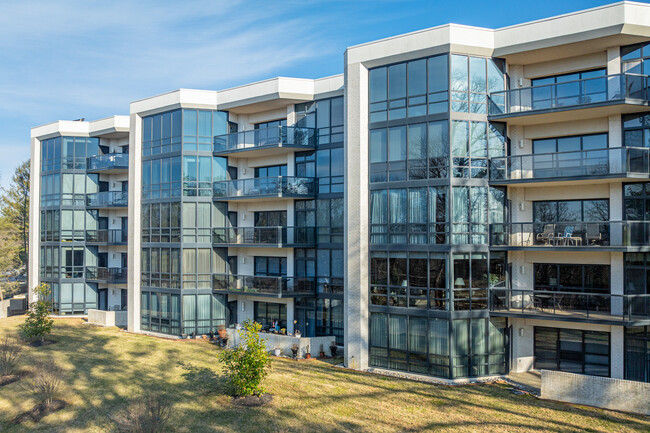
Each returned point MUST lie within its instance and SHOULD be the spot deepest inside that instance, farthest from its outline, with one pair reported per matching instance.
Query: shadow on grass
(104, 368)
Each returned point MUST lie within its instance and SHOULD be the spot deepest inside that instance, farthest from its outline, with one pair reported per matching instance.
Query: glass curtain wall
(325, 261)
(178, 214)
(430, 207)
(64, 183)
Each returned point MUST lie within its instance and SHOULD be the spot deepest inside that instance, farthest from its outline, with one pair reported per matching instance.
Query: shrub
(147, 414)
(248, 364)
(45, 384)
(10, 350)
(38, 322)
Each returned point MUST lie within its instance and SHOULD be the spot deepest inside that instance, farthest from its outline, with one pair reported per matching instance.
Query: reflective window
(636, 130)
(414, 215)
(472, 79)
(417, 151)
(572, 350)
(635, 59)
(637, 353)
(409, 89)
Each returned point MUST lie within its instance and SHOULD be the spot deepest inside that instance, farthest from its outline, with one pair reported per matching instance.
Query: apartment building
(460, 202)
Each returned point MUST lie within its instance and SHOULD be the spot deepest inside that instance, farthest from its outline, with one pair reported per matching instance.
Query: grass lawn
(104, 368)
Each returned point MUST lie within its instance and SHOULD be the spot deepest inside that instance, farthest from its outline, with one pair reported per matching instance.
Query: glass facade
(69, 253)
(429, 211)
(178, 214)
(324, 262)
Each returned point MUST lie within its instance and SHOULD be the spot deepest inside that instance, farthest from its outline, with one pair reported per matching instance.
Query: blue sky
(71, 59)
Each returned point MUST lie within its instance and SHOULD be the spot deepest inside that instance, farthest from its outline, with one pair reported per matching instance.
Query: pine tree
(38, 322)
(14, 209)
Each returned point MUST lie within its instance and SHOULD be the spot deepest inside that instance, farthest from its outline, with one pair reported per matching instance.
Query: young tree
(248, 364)
(14, 208)
(38, 322)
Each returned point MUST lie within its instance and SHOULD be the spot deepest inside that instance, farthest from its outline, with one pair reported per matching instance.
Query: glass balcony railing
(576, 234)
(570, 305)
(610, 89)
(264, 236)
(107, 199)
(262, 285)
(107, 275)
(279, 136)
(110, 161)
(265, 187)
(110, 237)
(619, 161)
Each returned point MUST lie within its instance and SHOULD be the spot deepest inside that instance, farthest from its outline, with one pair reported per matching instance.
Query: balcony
(107, 199)
(106, 275)
(264, 236)
(107, 237)
(571, 100)
(605, 308)
(264, 188)
(109, 163)
(277, 287)
(613, 163)
(267, 141)
(572, 236)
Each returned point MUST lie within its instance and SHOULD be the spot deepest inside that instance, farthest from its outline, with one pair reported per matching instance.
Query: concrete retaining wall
(284, 342)
(603, 392)
(13, 306)
(107, 318)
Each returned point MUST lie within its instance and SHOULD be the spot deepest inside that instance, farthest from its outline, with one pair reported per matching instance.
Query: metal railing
(278, 136)
(582, 163)
(571, 234)
(108, 162)
(108, 199)
(107, 275)
(263, 285)
(582, 305)
(275, 236)
(106, 236)
(597, 90)
(265, 187)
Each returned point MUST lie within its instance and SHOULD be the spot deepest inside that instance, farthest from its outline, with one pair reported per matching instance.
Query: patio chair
(546, 235)
(594, 236)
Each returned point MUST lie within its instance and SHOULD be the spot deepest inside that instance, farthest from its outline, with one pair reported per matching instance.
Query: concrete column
(617, 359)
(135, 228)
(34, 219)
(522, 346)
(356, 216)
(613, 60)
(616, 214)
(617, 282)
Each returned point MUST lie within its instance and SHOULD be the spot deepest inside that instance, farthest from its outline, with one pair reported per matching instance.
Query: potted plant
(221, 330)
(277, 351)
(307, 353)
(297, 333)
(333, 348)
(294, 350)
(322, 352)
(211, 335)
(283, 331)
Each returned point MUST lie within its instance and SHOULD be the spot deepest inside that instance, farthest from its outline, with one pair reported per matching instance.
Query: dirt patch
(6, 380)
(253, 400)
(41, 343)
(39, 411)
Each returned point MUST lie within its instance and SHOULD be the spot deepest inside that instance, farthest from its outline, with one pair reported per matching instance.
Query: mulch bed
(39, 411)
(253, 400)
(6, 380)
(39, 343)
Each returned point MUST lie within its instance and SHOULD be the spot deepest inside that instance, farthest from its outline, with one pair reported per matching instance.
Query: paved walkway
(530, 380)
